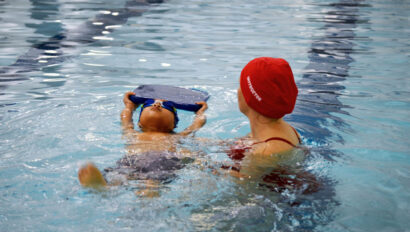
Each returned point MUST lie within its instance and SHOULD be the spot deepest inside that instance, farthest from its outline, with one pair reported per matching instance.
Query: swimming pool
(66, 64)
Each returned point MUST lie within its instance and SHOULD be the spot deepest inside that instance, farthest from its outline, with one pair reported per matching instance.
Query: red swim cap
(268, 86)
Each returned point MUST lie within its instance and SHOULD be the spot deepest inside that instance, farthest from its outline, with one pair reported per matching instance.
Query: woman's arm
(126, 114)
(198, 122)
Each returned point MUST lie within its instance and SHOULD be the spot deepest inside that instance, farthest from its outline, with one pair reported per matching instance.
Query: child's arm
(126, 114)
(199, 120)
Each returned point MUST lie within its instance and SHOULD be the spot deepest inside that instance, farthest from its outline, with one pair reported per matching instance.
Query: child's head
(158, 116)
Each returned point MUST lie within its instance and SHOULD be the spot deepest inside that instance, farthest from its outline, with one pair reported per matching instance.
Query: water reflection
(61, 46)
(321, 84)
(318, 107)
(253, 207)
(45, 11)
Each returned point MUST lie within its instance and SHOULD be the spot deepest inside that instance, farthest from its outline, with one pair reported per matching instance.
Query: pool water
(65, 65)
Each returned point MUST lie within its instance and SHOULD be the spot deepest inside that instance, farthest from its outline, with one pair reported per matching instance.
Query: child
(152, 153)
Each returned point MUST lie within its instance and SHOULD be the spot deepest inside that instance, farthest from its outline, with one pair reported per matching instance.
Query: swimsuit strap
(238, 152)
(282, 139)
(278, 139)
(296, 133)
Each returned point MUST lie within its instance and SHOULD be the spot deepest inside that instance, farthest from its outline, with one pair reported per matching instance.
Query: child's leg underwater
(90, 177)
(150, 190)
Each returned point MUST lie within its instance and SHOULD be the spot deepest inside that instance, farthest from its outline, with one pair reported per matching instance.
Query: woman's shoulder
(272, 147)
(281, 143)
(278, 154)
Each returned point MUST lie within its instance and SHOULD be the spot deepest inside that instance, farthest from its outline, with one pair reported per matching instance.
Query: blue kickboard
(183, 99)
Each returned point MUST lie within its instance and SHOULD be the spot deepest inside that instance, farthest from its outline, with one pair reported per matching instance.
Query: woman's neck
(262, 127)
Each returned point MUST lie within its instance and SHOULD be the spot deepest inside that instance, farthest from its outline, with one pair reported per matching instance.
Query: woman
(266, 94)
(271, 151)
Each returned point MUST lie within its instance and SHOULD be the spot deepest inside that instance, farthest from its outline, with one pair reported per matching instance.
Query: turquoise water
(60, 105)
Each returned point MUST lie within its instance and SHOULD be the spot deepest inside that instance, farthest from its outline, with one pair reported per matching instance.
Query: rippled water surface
(64, 66)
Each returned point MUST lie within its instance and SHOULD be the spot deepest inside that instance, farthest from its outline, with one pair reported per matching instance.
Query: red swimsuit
(279, 179)
(238, 152)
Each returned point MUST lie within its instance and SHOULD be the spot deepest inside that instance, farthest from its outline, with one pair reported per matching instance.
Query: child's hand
(127, 102)
(203, 108)
(199, 120)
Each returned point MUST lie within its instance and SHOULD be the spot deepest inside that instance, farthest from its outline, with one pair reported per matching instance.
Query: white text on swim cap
(254, 93)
